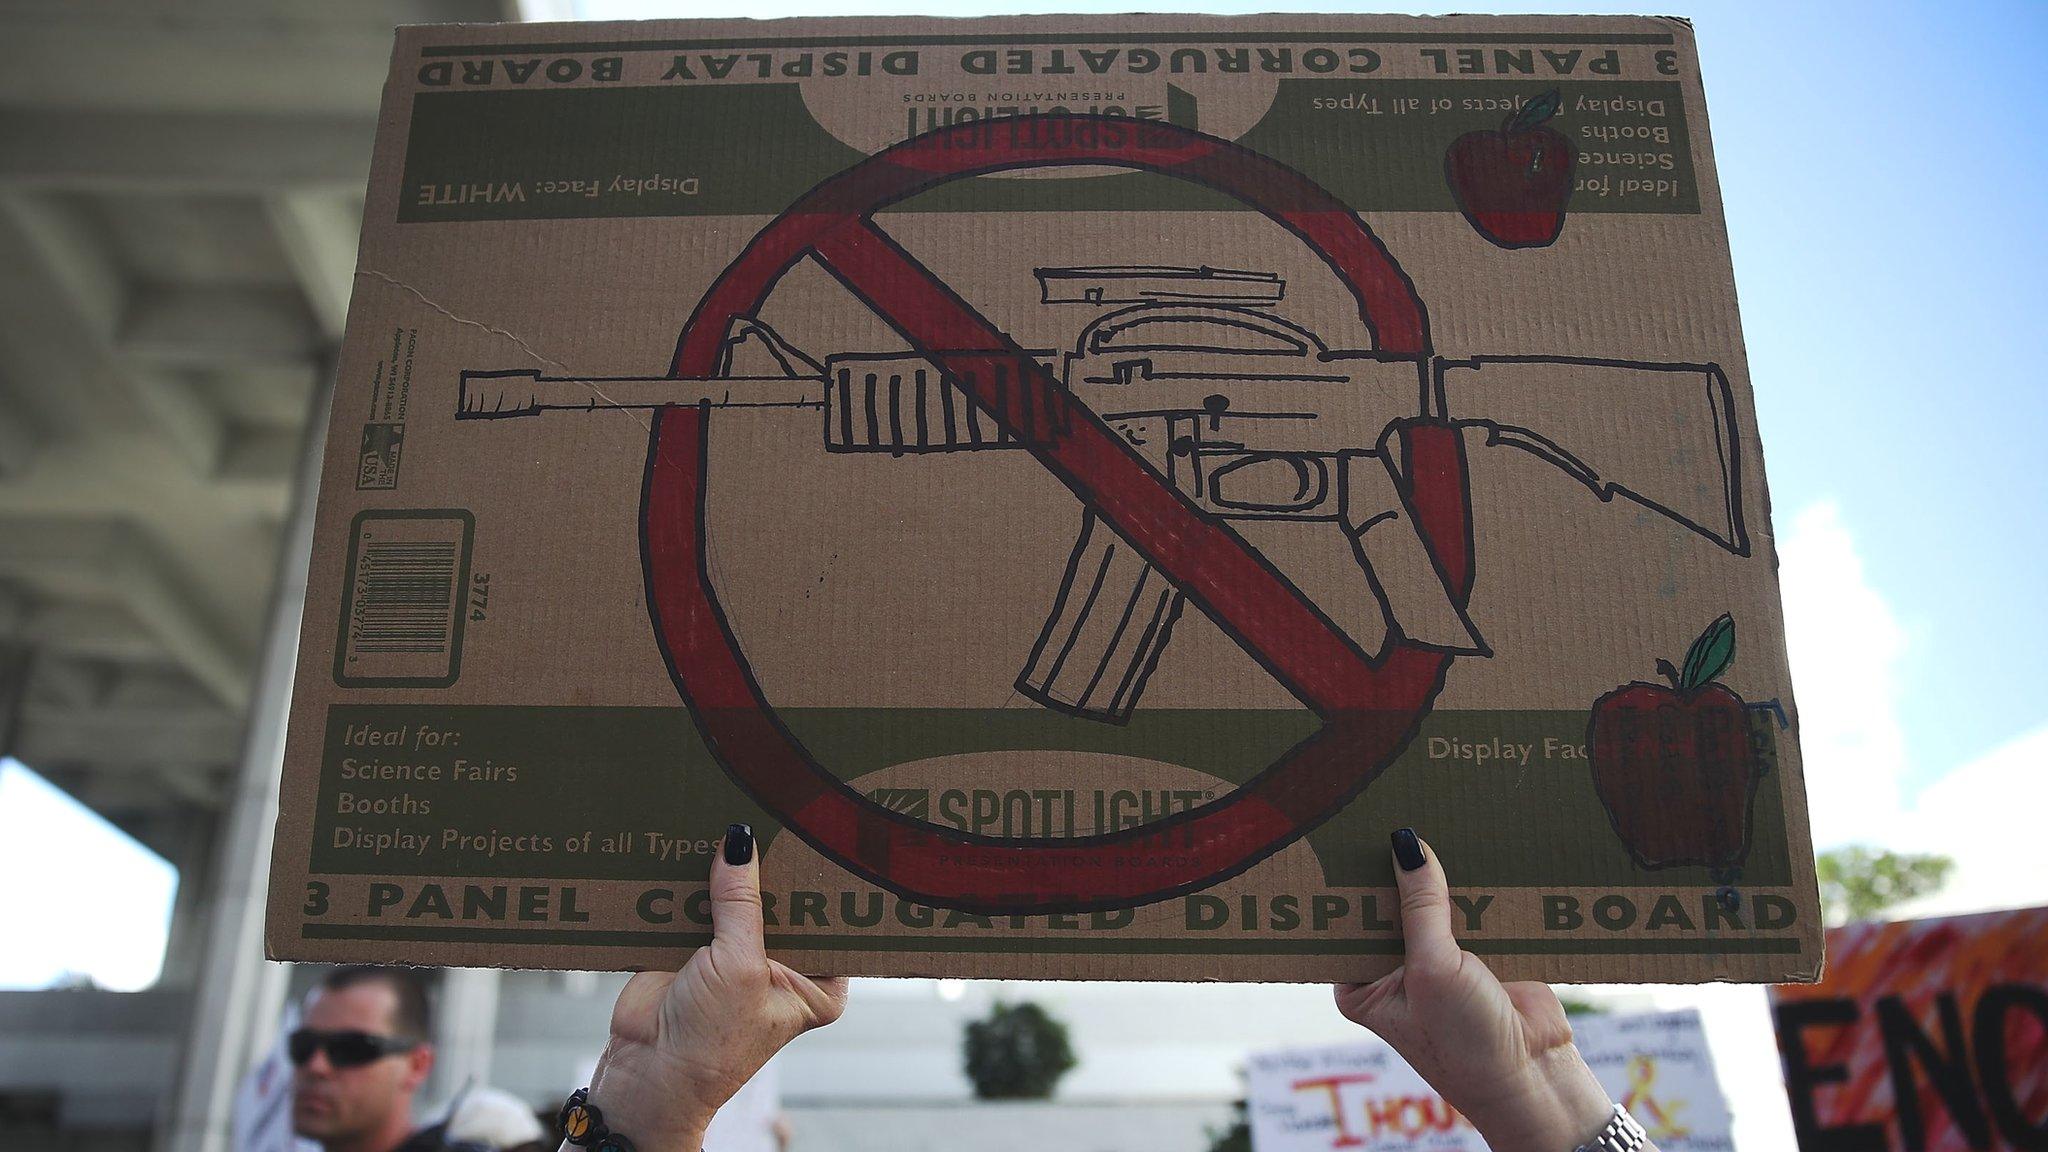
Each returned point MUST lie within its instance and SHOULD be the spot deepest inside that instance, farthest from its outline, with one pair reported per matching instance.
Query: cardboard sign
(1926, 1034)
(1072, 484)
(1365, 1096)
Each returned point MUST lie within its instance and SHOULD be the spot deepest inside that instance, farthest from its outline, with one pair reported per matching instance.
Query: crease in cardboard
(523, 346)
(430, 302)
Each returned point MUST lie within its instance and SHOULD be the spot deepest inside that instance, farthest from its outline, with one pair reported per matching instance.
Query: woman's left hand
(1502, 1054)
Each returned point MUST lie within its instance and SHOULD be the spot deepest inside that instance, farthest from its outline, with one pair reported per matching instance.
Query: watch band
(1622, 1134)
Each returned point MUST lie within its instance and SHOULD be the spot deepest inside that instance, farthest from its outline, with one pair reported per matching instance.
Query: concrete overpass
(180, 193)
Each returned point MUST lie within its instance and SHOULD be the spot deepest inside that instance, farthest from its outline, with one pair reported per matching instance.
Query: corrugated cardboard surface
(1073, 539)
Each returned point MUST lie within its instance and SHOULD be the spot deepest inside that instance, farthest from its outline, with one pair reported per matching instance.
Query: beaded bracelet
(582, 1124)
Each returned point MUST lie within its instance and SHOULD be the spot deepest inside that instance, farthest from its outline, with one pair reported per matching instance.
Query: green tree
(1858, 882)
(1236, 1137)
(1017, 1053)
(1576, 1005)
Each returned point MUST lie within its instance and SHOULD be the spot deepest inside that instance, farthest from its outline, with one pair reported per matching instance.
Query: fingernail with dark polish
(739, 844)
(1407, 849)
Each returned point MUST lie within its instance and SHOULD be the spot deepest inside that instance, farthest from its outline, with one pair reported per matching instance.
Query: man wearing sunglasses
(360, 1056)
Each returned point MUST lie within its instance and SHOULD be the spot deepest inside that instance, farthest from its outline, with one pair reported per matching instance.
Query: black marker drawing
(1188, 412)
(1179, 382)
(1148, 283)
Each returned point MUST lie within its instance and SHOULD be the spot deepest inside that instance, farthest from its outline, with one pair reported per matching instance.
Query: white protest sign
(1364, 1096)
(1351, 1096)
(1656, 1064)
(263, 1102)
(747, 1121)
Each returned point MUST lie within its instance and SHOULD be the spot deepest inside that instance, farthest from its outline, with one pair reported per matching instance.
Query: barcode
(405, 600)
(407, 592)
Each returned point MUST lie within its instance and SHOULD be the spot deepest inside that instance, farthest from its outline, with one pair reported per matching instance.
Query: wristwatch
(1622, 1134)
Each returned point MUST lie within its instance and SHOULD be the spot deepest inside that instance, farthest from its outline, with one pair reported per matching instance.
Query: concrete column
(465, 1030)
(239, 994)
(16, 659)
(192, 911)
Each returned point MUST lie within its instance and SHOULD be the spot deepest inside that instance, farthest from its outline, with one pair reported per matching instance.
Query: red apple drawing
(1512, 183)
(1673, 763)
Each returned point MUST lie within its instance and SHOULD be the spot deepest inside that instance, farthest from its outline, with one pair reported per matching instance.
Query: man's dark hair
(413, 1019)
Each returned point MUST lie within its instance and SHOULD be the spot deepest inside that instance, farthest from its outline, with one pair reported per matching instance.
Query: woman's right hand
(683, 1042)
(1502, 1054)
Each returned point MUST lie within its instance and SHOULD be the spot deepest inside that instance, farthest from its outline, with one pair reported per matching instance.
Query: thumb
(1425, 906)
(736, 895)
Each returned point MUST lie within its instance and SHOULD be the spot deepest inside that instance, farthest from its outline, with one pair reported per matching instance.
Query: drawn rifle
(1318, 447)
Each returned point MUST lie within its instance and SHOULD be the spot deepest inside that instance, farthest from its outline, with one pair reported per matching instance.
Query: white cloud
(1846, 646)
(1987, 816)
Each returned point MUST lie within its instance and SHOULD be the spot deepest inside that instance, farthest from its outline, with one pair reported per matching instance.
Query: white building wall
(1158, 1062)
(1102, 1126)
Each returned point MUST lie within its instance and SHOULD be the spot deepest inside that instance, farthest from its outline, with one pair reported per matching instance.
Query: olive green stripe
(632, 770)
(1003, 39)
(626, 938)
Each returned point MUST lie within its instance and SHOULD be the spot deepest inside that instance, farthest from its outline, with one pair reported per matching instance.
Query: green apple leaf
(1534, 113)
(1710, 655)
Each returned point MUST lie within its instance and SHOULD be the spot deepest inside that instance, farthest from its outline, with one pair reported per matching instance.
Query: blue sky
(1885, 208)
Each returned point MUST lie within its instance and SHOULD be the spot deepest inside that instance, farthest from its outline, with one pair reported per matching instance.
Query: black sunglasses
(345, 1049)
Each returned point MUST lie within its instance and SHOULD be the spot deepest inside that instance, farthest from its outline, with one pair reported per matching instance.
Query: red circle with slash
(1370, 706)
